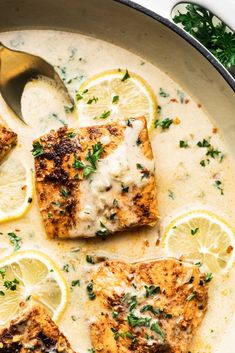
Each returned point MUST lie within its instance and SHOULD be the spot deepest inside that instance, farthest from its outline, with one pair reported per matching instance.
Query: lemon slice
(16, 189)
(202, 237)
(115, 94)
(29, 277)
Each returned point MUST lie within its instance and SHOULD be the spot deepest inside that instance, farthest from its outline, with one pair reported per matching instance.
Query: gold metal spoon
(16, 69)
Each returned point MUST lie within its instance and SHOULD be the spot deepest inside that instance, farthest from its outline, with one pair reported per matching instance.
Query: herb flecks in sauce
(164, 124)
(15, 240)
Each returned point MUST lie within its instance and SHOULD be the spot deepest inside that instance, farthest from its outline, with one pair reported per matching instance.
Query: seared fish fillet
(7, 141)
(33, 331)
(146, 307)
(95, 180)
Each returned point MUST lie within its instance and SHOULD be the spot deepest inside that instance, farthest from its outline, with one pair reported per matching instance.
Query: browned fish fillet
(155, 306)
(33, 331)
(95, 180)
(7, 140)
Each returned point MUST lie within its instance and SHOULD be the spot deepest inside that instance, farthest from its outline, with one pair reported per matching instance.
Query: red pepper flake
(186, 101)
(199, 105)
(24, 187)
(215, 130)
(146, 243)
(229, 249)
(158, 242)
(174, 100)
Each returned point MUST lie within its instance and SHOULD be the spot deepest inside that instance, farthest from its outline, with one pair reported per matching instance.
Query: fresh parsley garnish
(75, 283)
(77, 164)
(208, 277)
(156, 328)
(191, 296)
(126, 76)
(125, 189)
(163, 93)
(115, 99)
(69, 108)
(15, 240)
(90, 259)
(37, 149)
(194, 231)
(183, 144)
(134, 320)
(214, 35)
(218, 185)
(71, 134)
(3, 272)
(203, 143)
(91, 100)
(78, 96)
(11, 285)
(152, 290)
(139, 166)
(94, 155)
(64, 192)
(105, 115)
(164, 124)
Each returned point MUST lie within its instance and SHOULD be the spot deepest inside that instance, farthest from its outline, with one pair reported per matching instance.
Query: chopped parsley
(103, 231)
(78, 96)
(163, 93)
(75, 283)
(90, 259)
(77, 164)
(194, 231)
(159, 109)
(125, 189)
(71, 134)
(2, 272)
(94, 155)
(171, 194)
(2, 293)
(183, 144)
(90, 292)
(64, 192)
(115, 99)
(218, 185)
(150, 308)
(91, 100)
(164, 124)
(126, 76)
(138, 141)
(191, 296)
(15, 240)
(118, 334)
(105, 115)
(114, 314)
(208, 277)
(11, 285)
(156, 328)
(37, 149)
(91, 350)
(66, 268)
(213, 153)
(203, 143)
(69, 108)
(152, 290)
(139, 166)
(134, 320)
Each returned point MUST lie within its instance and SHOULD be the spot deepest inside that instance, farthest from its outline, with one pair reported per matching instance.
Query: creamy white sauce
(182, 183)
(101, 189)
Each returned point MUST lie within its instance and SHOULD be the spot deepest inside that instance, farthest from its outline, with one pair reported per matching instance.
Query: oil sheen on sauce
(183, 183)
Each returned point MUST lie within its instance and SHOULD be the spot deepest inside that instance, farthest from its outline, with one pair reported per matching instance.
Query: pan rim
(187, 37)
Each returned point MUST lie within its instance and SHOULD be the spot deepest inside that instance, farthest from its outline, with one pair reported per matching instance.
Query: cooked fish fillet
(7, 141)
(95, 180)
(155, 306)
(33, 331)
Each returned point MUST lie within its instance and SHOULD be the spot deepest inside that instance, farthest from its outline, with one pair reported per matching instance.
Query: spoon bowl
(16, 69)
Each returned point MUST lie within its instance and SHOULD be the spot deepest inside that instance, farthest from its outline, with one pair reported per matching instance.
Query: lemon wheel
(203, 238)
(16, 189)
(115, 94)
(29, 277)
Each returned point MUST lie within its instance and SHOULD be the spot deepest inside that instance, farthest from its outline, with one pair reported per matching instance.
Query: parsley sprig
(200, 24)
